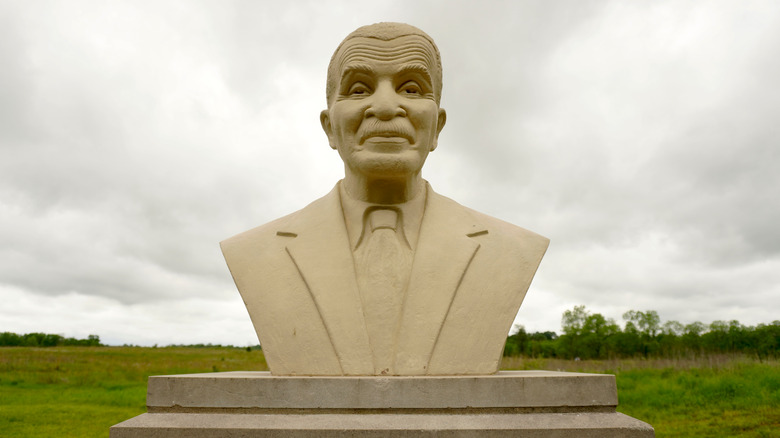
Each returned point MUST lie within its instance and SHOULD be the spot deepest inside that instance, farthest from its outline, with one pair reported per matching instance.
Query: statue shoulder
(286, 226)
(258, 234)
(495, 228)
(512, 232)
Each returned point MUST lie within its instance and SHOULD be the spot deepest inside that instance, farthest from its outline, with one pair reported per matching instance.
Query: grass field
(718, 396)
(82, 391)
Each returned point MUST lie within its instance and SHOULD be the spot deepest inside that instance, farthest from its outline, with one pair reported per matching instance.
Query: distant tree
(592, 336)
(33, 339)
(691, 338)
(517, 343)
(695, 328)
(586, 335)
(537, 344)
(648, 322)
(573, 320)
(51, 340)
(768, 340)
(627, 343)
(669, 340)
(673, 328)
(596, 334)
(8, 339)
(716, 338)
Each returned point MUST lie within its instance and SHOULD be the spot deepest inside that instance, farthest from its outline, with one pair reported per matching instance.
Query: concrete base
(256, 404)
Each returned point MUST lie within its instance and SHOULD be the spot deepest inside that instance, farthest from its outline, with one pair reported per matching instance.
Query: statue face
(383, 118)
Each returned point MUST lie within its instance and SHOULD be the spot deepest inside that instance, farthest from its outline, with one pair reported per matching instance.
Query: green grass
(720, 396)
(82, 391)
(741, 400)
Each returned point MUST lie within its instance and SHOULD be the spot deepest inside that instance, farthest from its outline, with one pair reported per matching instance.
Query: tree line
(8, 339)
(589, 335)
(585, 335)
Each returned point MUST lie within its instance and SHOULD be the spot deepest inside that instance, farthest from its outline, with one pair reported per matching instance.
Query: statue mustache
(394, 128)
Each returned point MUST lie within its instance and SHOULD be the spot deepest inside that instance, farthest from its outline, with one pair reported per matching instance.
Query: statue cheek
(349, 116)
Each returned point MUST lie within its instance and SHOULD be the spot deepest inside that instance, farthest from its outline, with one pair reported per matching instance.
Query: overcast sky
(641, 137)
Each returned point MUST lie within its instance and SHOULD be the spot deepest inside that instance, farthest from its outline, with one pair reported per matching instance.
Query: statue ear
(325, 122)
(439, 125)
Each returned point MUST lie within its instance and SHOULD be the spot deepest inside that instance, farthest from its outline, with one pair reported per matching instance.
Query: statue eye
(358, 89)
(411, 88)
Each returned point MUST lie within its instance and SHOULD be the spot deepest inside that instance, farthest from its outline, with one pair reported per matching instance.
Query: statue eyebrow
(366, 68)
(349, 70)
(355, 68)
(416, 68)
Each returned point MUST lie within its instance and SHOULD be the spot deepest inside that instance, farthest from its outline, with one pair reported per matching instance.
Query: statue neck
(376, 190)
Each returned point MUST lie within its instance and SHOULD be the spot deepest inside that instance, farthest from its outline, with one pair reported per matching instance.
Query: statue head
(383, 91)
(384, 32)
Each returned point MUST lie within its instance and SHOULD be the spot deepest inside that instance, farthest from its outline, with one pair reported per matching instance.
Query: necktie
(383, 265)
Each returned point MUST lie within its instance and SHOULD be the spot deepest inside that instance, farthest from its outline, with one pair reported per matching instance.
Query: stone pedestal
(256, 404)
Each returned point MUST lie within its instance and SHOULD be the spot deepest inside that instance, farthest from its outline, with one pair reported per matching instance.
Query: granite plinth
(256, 404)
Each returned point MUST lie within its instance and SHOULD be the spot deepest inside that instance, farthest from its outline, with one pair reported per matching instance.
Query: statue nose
(385, 104)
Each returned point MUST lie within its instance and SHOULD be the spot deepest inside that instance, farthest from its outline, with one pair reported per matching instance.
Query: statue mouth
(390, 133)
(390, 137)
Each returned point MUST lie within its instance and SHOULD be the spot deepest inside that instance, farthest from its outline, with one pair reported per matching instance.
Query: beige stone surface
(543, 425)
(260, 390)
(510, 403)
(384, 276)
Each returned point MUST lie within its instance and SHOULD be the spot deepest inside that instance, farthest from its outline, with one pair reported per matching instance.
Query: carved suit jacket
(469, 276)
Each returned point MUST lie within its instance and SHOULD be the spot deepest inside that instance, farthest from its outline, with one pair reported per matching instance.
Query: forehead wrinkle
(391, 53)
(386, 51)
(400, 42)
(373, 56)
(411, 45)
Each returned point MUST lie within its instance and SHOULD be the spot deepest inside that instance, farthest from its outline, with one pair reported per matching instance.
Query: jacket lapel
(444, 252)
(321, 253)
(323, 258)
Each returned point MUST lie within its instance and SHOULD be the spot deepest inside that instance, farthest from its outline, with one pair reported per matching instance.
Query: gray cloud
(640, 138)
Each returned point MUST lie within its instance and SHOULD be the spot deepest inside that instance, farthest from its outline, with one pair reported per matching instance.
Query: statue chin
(390, 165)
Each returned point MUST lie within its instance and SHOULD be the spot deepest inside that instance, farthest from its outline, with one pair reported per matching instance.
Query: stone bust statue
(384, 276)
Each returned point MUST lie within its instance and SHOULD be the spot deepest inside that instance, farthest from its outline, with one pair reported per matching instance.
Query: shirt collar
(411, 212)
